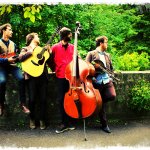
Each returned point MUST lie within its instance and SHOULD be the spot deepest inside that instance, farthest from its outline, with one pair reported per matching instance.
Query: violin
(100, 67)
(81, 100)
(8, 55)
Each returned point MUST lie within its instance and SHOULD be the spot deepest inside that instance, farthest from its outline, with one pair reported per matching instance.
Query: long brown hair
(30, 37)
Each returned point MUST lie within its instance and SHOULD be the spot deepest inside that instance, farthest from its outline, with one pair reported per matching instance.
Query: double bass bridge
(76, 88)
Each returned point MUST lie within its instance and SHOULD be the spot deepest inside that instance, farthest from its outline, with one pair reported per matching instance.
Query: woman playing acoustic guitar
(37, 85)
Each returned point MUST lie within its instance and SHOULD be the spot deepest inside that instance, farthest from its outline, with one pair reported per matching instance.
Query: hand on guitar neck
(48, 47)
(12, 60)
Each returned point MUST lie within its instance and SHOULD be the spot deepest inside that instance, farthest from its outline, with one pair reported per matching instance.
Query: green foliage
(30, 11)
(126, 27)
(140, 96)
(5, 9)
(133, 61)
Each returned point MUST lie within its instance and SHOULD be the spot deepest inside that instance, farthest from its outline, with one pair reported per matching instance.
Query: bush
(133, 62)
(140, 96)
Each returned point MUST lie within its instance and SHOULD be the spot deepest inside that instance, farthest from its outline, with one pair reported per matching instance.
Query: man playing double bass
(62, 55)
(102, 80)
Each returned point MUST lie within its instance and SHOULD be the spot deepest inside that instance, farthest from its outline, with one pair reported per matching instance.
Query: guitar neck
(50, 40)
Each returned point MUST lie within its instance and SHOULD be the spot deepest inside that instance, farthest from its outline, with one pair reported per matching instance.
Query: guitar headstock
(58, 29)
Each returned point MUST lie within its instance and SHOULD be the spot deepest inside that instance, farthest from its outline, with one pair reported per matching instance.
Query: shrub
(140, 96)
(133, 61)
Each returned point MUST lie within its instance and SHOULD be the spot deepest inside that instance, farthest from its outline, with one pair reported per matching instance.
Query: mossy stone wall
(13, 116)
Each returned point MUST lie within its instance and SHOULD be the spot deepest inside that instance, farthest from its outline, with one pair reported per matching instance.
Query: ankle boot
(42, 125)
(32, 124)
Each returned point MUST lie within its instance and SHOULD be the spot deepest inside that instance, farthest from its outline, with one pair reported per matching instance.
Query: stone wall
(118, 109)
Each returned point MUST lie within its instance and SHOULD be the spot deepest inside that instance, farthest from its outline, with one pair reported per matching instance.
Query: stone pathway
(133, 135)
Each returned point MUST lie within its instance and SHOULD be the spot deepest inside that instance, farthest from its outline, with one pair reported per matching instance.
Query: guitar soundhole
(40, 62)
(39, 56)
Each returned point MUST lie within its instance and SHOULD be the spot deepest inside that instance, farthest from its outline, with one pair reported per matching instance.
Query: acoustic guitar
(34, 65)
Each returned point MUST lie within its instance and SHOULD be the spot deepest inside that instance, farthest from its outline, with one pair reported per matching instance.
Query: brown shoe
(25, 109)
(1, 110)
(32, 124)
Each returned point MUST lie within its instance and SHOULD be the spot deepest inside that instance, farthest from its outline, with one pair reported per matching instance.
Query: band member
(7, 66)
(62, 55)
(37, 86)
(102, 80)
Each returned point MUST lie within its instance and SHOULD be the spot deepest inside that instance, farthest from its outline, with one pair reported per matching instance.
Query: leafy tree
(126, 26)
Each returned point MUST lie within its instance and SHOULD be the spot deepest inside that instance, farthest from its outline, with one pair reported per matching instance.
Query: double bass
(81, 100)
